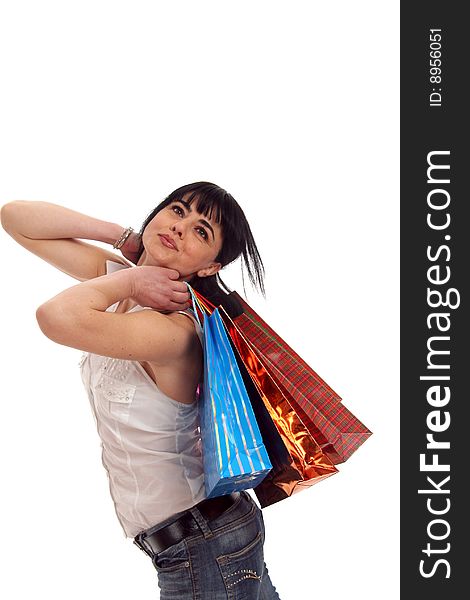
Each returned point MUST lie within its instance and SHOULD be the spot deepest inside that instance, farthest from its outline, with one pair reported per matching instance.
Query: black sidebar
(435, 356)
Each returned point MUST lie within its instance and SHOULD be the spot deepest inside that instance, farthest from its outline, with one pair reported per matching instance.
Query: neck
(143, 261)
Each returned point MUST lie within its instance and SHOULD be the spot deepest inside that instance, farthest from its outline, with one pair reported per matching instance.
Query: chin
(151, 259)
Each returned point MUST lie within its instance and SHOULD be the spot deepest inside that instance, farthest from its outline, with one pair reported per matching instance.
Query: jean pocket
(173, 559)
(242, 569)
(173, 568)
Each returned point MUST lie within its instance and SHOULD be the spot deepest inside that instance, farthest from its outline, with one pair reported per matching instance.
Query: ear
(210, 270)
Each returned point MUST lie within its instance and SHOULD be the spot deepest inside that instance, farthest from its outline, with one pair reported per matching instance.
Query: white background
(106, 107)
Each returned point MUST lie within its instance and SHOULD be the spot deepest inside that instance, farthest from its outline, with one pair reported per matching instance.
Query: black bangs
(208, 200)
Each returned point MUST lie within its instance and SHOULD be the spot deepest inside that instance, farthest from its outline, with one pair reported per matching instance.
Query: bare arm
(51, 232)
(77, 317)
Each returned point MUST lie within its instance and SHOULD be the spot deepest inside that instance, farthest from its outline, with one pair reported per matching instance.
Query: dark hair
(214, 202)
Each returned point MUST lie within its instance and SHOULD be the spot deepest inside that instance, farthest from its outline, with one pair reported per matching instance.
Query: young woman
(141, 367)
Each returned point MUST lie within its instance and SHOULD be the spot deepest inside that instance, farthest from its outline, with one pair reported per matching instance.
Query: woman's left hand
(130, 248)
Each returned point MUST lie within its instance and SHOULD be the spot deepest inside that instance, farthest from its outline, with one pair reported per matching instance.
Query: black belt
(152, 542)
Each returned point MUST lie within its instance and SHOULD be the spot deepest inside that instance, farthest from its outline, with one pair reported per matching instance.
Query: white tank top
(151, 446)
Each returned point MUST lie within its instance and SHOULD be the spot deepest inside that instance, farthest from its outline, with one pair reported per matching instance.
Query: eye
(202, 232)
(178, 210)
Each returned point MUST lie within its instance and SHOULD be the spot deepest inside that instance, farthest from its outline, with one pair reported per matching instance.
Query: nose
(178, 228)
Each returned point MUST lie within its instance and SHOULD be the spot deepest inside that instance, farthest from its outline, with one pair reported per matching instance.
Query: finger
(180, 297)
(179, 286)
(173, 274)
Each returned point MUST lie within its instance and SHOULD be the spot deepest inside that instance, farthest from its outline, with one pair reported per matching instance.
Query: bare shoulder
(179, 377)
(186, 327)
(183, 319)
(181, 336)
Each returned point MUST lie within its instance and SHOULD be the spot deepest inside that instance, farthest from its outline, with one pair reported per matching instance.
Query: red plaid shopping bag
(338, 432)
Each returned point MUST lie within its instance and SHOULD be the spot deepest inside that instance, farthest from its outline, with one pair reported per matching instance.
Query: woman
(141, 366)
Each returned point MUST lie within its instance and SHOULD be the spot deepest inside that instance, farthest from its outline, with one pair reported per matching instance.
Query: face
(180, 238)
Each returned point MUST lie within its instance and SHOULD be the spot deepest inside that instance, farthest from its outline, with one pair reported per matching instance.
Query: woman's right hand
(159, 288)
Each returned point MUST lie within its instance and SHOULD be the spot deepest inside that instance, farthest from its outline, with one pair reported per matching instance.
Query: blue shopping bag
(234, 455)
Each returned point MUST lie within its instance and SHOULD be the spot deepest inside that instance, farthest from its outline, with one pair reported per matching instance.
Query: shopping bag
(234, 455)
(338, 432)
(297, 460)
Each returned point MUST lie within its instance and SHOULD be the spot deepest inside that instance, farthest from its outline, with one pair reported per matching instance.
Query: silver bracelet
(120, 242)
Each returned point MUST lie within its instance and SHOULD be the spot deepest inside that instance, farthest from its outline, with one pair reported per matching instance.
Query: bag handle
(207, 305)
(199, 302)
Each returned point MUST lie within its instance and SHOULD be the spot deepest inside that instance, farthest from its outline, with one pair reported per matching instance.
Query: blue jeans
(225, 561)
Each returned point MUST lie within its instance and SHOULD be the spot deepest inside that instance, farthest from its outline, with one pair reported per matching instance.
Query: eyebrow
(202, 221)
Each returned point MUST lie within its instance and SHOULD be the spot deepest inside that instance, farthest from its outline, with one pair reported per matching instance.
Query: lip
(167, 241)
